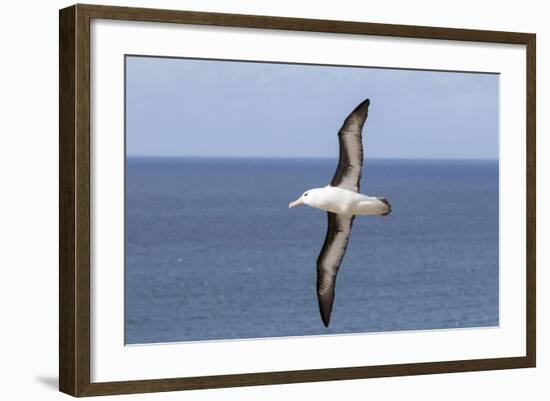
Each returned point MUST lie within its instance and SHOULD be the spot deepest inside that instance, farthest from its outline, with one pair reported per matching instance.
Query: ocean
(213, 252)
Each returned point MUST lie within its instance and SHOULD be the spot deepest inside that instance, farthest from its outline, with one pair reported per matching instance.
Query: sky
(211, 108)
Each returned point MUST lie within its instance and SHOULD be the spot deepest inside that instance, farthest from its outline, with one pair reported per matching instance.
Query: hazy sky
(180, 107)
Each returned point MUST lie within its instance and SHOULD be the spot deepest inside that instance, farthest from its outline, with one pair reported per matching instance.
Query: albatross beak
(297, 202)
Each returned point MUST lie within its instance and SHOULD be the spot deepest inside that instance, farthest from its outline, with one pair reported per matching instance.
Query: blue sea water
(213, 252)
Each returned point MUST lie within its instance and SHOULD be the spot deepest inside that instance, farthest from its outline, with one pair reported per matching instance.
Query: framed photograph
(250, 200)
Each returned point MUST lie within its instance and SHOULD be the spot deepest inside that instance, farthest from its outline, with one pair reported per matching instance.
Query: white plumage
(342, 201)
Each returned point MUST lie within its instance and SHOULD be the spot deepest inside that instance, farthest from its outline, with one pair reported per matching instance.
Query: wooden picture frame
(74, 199)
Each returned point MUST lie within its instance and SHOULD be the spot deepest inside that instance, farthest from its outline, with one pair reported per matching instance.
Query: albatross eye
(305, 194)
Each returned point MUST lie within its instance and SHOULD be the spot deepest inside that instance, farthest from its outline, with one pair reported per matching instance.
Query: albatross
(342, 201)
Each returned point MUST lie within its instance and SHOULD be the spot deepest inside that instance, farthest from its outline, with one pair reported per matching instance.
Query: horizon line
(304, 157)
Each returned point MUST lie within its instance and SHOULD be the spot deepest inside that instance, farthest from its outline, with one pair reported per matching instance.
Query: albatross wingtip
(362, 107)
(326, 319)
(325, 307)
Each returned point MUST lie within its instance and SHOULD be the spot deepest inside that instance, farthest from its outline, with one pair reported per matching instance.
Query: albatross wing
(347, 176)
(329, 260)
(350, 163)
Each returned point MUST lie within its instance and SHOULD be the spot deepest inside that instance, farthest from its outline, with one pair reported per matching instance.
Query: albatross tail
(388, 204)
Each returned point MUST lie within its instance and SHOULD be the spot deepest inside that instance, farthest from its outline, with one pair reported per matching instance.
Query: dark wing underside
(329, 260)
(350, 163)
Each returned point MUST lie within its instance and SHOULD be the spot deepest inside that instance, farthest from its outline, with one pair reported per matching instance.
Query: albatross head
(309, 198)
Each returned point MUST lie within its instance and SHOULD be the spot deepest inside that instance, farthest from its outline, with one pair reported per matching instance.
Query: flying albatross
(342, 201)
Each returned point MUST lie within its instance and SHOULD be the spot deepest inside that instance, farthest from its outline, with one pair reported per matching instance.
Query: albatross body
(342, 201)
